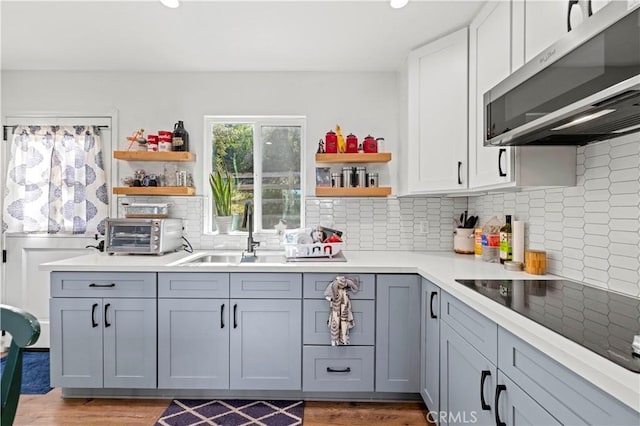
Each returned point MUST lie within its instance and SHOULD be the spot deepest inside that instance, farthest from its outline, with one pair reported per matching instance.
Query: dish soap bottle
(180, 140)
(506, 246)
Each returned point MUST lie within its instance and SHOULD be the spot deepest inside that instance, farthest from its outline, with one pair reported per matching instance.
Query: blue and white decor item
(55, 181)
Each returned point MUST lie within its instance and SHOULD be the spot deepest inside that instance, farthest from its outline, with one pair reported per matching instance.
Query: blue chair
(25, 330)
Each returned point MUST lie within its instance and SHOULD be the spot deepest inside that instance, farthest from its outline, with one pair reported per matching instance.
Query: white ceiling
(236, 35)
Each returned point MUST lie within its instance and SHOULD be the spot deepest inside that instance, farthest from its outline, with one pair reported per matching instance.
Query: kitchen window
(263, 154)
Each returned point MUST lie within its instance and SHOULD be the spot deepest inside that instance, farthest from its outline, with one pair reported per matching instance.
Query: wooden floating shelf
(380, 157)
(381, 191)
(154, 190)
(154, 156)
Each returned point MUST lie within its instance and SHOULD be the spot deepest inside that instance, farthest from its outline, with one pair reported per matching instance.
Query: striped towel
(340, 315)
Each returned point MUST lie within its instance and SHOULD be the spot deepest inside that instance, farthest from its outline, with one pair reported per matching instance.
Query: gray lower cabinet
(193, 343)
(467, 381)
(103, 342)
(565, 395)
(514, 407)
(398, 333)
(430, 346)
(265, 344)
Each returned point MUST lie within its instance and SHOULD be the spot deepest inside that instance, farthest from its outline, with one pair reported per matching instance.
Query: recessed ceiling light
(170, 3)
(397, 4)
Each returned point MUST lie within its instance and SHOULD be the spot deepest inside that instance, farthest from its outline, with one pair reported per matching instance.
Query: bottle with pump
(506, 244)
(180, 140)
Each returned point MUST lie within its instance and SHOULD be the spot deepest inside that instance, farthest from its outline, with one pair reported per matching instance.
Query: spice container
(336, 180)
(372, 181)
(347, 177)
(361, 177)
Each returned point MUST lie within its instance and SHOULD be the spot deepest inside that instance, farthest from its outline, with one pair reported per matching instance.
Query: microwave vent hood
(585, 88)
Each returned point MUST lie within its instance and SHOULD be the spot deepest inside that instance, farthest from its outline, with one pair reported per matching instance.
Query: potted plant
(222, 190)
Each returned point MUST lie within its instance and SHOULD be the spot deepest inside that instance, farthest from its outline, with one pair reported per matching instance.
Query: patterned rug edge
(232, 412)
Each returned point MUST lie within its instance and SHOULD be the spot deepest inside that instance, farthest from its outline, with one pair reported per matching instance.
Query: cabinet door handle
(338, 370)
(459, 177)
(222, 316)
(501, 151)
(433, 295)
(106, 318)
(102, 285)
(94, 324)
(235, 315)
(499, 390)
(483, 377)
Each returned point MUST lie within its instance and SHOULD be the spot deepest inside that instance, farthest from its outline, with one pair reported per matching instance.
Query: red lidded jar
(331, 142)
(352, 144)
(370, 145)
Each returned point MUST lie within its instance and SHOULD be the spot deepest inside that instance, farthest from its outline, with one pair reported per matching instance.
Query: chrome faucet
(248, 223)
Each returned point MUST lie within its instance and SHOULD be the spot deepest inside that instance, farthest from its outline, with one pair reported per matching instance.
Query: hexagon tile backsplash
(591, 232)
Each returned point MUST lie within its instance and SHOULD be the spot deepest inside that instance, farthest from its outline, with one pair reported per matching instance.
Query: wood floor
(52, 410)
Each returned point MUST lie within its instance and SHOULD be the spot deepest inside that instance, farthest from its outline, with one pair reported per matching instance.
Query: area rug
(35, 373)
(232, 412)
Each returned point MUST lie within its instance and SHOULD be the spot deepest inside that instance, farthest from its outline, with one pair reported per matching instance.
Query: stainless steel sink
(265, 258)
(235, 258)
(217, 258)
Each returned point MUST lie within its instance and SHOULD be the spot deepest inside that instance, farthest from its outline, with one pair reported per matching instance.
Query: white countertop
(441, 268)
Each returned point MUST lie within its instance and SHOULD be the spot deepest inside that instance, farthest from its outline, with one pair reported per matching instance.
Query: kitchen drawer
(475, 328)
(103, 284)
(193, 285)
(266, 286)
(316, 315)
(337, 368)
(567, 396)
(316, 284)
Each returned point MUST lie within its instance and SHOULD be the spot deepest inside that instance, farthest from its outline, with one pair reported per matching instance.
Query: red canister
(352, 144)
(152, 143)
(331, 142)
(369, 144)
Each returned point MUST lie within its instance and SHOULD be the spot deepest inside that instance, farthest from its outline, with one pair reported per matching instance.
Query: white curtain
(55, 181)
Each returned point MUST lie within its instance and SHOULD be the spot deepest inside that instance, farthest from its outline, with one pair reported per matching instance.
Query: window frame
(257, 121)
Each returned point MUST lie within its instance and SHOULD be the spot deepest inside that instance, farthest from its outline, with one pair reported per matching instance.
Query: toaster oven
(143, 236)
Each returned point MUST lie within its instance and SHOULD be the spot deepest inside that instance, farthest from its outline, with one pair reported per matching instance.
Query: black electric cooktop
(599, 320)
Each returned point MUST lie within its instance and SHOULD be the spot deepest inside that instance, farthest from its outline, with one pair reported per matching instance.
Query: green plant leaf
(221, 184)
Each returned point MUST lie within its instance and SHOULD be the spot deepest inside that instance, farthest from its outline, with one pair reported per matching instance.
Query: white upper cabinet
(497, 47)
(545, 23)
(490, 49)
(437, 115)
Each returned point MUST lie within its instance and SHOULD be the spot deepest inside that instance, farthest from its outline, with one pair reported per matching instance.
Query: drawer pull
(338, 370)
(102, 285)
(106, 318)
(94, 324)
(483, 377)
(499, 390)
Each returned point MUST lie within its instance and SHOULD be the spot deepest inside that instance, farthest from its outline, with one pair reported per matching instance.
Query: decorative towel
(340, 315)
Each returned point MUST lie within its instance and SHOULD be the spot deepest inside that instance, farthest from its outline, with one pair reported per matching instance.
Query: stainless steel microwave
(143, 236)
(584, 88)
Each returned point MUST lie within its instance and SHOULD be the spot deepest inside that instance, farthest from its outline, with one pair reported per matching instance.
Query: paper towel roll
(518, 241)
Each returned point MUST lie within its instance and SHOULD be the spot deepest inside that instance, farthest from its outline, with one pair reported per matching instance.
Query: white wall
(361, 103)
